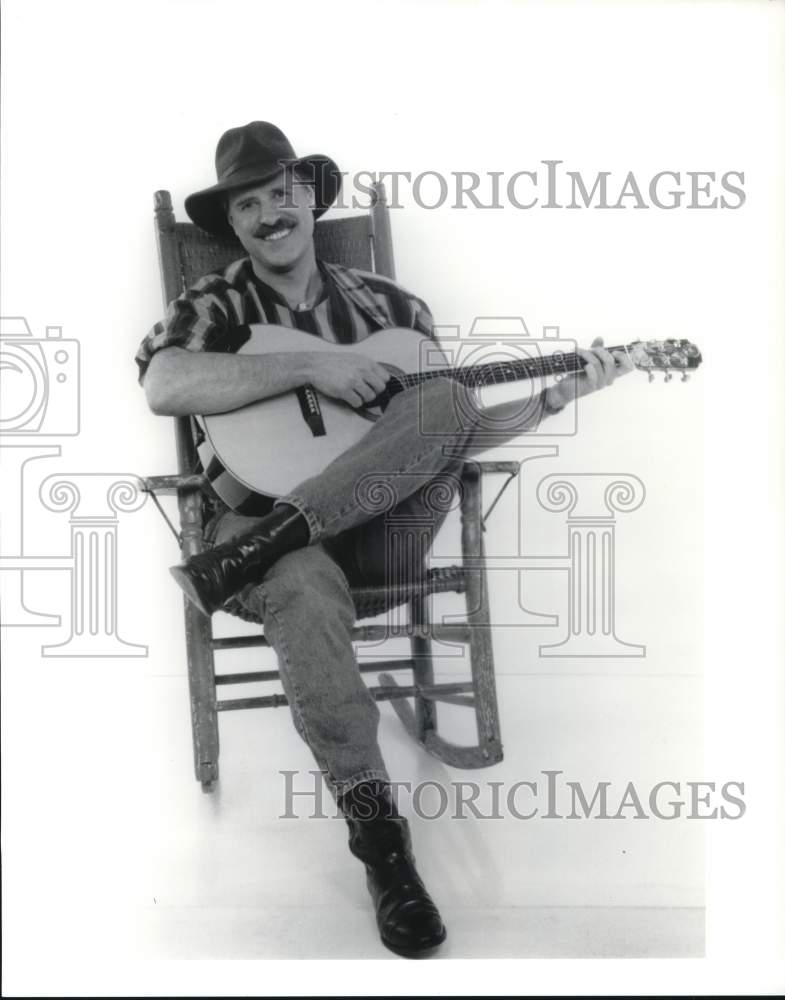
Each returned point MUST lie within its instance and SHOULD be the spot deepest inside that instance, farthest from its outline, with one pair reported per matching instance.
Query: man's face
(274, 222)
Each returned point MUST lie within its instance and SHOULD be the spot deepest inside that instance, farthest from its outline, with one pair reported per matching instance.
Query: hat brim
(206, 208)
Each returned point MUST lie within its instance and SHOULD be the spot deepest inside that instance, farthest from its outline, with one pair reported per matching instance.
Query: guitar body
(259, 452)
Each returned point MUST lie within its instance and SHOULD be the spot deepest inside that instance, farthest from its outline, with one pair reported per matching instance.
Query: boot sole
(425, 952)
(186, 584)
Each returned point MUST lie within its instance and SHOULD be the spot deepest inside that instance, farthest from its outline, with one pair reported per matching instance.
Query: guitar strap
(197, 431)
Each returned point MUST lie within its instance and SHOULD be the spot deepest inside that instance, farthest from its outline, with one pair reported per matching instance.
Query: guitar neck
(496, 372)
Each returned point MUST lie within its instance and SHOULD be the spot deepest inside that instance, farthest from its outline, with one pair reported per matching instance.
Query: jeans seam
(296, 706)
(275, 612)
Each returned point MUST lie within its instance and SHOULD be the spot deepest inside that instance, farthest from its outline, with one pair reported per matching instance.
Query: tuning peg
(669, 376)
(684, 377)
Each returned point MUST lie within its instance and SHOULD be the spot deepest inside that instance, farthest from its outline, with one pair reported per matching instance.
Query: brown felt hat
(256, 152)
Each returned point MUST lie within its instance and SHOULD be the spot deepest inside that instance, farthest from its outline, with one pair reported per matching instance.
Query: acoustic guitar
(260, 452)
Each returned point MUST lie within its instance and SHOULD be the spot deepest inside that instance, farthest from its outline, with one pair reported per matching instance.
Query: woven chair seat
(372, 601)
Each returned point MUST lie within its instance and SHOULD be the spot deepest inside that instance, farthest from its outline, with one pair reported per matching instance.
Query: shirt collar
(353, 287)
(348, 282)
(269, 292)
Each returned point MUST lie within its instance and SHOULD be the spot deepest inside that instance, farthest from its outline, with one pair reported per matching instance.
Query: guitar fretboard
(496, 372)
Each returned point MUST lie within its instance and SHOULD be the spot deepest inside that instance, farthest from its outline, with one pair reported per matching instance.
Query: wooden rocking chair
(364, 242)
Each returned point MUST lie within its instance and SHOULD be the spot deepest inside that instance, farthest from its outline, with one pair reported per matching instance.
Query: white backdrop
(103, 104)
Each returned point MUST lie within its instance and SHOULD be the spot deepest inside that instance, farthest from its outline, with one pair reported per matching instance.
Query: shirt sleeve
(194, 321)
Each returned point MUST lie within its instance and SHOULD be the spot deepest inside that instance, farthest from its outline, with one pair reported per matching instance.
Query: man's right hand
(351, 377)
(179, 382)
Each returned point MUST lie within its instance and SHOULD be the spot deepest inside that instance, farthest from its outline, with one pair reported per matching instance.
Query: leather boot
(408, 920)
(212, 577)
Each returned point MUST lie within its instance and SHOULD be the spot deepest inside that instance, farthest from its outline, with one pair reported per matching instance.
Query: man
(293, 567)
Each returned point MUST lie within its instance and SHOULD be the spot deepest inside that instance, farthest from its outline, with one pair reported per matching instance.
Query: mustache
(261, 231)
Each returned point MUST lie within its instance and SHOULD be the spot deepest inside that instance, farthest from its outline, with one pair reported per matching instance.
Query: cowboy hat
(255, 153)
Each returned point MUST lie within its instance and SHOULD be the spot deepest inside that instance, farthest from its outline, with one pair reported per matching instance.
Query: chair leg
(481, 655)
(198, 630)
(422, 654)
(478, 616)
(201, 685)
(421, 723)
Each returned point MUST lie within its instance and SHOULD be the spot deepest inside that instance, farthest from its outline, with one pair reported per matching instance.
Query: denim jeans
(304, 600)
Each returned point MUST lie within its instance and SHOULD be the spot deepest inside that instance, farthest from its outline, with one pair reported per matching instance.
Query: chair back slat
(186, 253)
(200, 254)
(338, 241)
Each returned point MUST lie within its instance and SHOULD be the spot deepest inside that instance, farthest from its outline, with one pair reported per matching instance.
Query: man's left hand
(602, 368)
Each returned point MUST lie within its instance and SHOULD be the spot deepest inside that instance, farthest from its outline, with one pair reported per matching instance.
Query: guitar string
(530, 366)
(514, 370)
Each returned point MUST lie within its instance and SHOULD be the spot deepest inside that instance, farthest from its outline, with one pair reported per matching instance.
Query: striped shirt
(353, 305)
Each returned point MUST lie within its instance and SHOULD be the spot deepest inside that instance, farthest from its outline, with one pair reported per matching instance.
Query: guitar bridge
(311, 410)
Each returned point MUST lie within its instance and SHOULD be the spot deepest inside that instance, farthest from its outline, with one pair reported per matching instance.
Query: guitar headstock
(665, 356)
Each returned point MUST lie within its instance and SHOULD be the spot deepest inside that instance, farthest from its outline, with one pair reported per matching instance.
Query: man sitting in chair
(293, 567)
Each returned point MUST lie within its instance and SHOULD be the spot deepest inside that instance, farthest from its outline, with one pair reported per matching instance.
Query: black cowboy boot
(408, 921)
(211, 577)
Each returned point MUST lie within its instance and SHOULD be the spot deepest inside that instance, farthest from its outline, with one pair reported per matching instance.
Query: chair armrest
(511, 468)
(174, 484)
(471, 504)
(198, 481)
